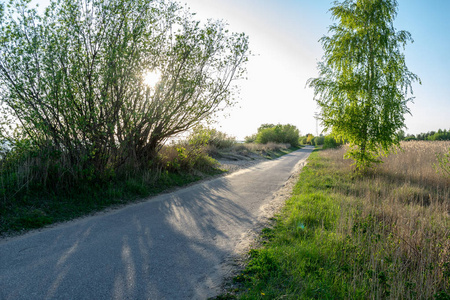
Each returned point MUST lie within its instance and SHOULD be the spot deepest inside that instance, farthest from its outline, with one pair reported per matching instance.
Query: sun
(151, 78)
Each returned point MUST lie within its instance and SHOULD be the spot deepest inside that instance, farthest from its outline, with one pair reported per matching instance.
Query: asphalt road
(172, 246)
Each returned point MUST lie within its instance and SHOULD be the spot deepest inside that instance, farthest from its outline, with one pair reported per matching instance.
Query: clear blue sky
(284, 38)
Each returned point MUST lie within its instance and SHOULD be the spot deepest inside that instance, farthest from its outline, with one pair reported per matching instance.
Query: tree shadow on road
(170, 247)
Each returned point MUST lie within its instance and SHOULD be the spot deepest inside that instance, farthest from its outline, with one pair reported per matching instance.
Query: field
(384, 235)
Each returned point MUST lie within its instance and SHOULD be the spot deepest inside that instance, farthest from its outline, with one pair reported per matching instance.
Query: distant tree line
(327, 141)
(440, 135)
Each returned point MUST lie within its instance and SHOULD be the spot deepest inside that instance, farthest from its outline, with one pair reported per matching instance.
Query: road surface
(172, 246)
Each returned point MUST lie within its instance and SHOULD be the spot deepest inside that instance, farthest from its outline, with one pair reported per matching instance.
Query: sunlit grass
(342, 236)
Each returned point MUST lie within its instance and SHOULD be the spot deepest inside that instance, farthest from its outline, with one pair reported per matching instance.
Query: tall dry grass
(399, 215)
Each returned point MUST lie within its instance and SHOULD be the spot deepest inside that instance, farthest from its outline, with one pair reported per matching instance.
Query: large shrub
(73, 81)
(318, 140)
(330, 142)
(278, 134)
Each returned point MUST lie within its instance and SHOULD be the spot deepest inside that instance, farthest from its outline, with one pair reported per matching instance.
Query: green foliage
(363, 82)
(266, 126)
(440, 135)
(202, 135)
(73, 88)
(330, 142)
(278, 134)
(318, 140)
(82, 129)
(186, 158)
(34, 218)
(401, 135)
(308, 139)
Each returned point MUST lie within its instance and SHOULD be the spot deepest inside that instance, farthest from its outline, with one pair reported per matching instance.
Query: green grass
(330, 243)
(36, 208)
(299, 259)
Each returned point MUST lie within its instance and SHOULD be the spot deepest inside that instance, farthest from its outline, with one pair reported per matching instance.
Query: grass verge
(37, 208)
(382, 236)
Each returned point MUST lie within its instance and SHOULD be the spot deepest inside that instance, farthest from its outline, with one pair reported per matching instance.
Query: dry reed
(399, 215)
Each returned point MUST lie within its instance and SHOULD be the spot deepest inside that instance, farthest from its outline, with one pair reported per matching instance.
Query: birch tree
(364, 85)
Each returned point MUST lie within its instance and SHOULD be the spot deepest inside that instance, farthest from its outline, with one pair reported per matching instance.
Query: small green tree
(363, 82)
